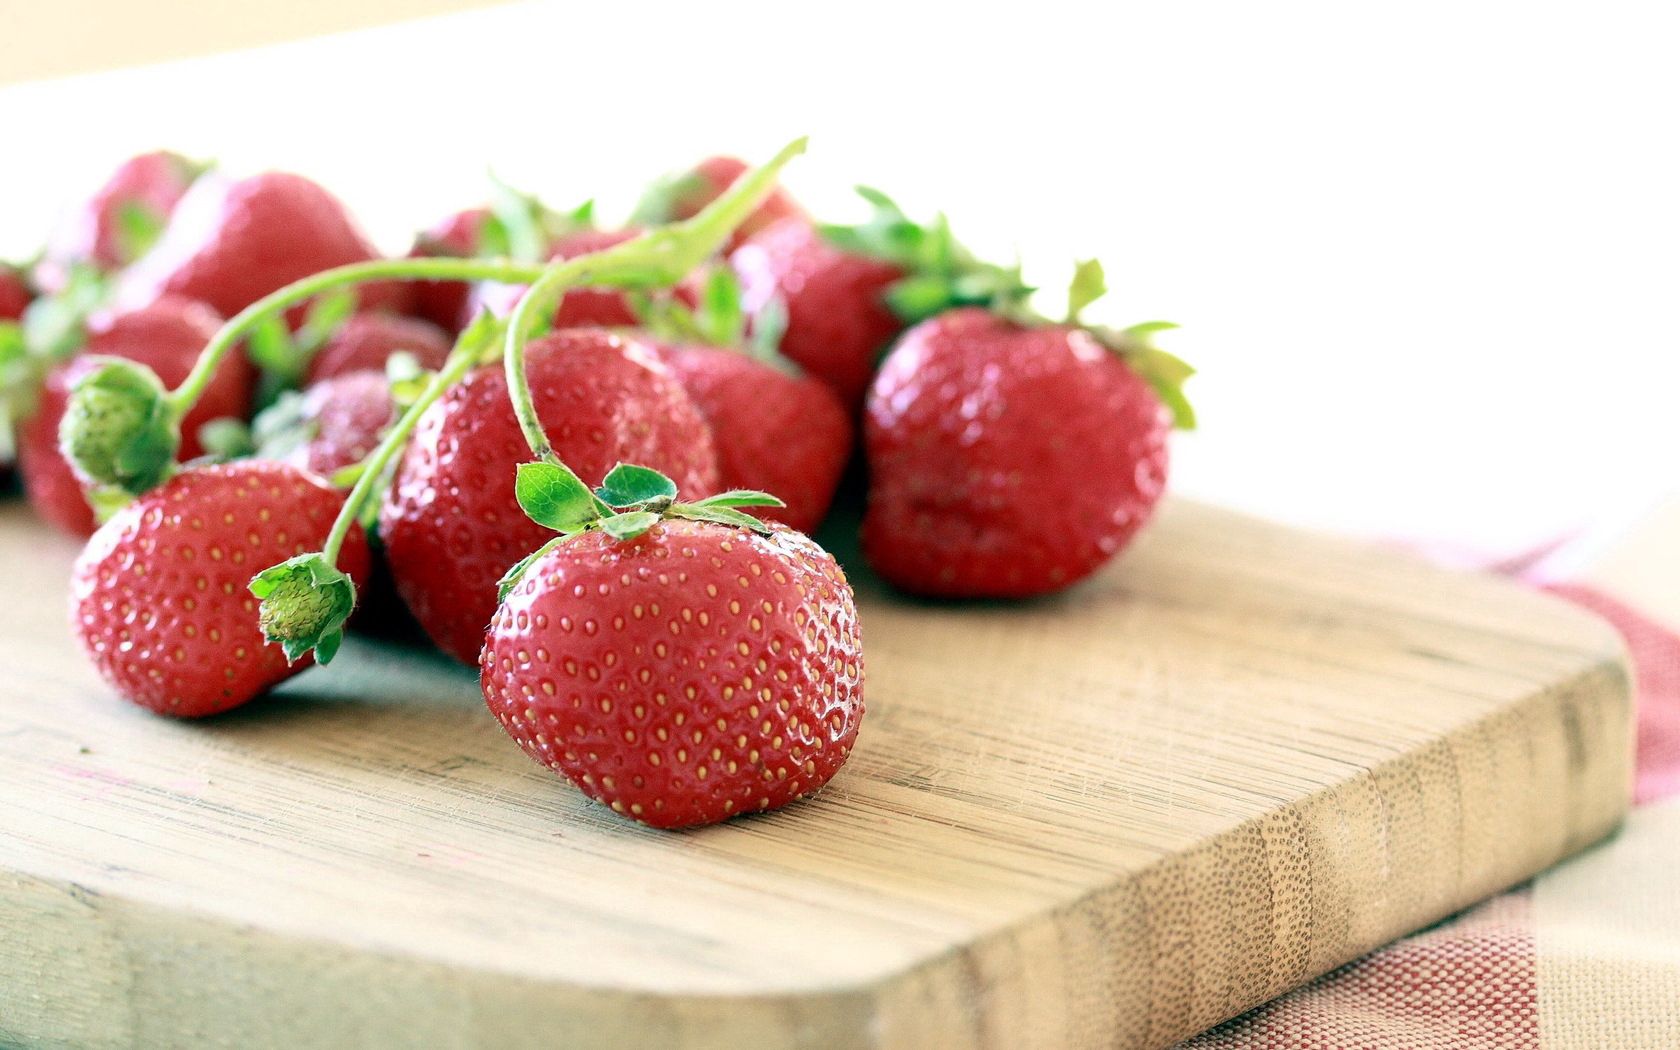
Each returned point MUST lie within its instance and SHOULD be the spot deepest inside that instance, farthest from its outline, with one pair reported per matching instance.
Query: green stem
(372, 469)
(183, 397)
(659, 258)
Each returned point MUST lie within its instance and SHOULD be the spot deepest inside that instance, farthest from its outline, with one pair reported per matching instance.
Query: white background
(1424, 254)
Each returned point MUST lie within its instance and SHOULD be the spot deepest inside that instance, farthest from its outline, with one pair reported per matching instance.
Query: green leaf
(521, 219)
(919, 297)
(769, 324)
(493, 239)
(326, 314)
(661, 200)
(554, 497)
(226, 438)
(1088, 285)
(484, 336)
(722, 321)
(1165, 373)
(269, 346)
(720, 515)
(627, 485)
(138, 226)
(740, 498)
(511, 578)
(629, 526)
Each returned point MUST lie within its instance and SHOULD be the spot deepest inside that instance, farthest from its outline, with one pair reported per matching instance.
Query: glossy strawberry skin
(1006, 461)
(582, 307)
(166, 337)
(159, 598)
(153, 181)
(348, 414)
(777, 432)
(692, 674)
(714, 175)
(838, 321)
(231, 242)
(450, 523)
(444, 303)
(15, 294)
(367, 341)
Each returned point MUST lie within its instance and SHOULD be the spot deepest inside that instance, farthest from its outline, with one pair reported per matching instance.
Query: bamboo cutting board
(1240, 757)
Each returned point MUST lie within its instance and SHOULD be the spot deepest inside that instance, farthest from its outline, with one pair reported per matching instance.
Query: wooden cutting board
(1241, 757)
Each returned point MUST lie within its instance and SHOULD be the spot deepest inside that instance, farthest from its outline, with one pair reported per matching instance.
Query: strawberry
(123, 218)
(159, 598)
(367, 341)
(15, 293)
(682, 196)
(332, 425)
(450, 521)
(231, 242)
(444, 303)
(838, 320)
(775, 428)
(166, 337)
(1010, 459)
(681, 663)
(780, 431)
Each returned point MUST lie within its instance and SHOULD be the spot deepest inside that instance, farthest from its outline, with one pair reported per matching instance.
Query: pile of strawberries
(585, 459)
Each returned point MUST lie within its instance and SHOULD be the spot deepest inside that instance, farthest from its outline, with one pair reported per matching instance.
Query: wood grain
(1241, 757)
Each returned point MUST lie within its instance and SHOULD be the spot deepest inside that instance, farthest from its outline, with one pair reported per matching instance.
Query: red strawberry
(166, 337)
(775, 431)
(444, 303)
(367, 341)
(450, 523)
(582, 307)
(231, 242)
(1006, 461)
(682, 197)
(159, 596)
(693, 673)
(15, 293)
(838, 320)
(119, 222)
(333, 424)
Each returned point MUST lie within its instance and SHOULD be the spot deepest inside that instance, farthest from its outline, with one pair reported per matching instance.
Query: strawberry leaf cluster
(630, 500)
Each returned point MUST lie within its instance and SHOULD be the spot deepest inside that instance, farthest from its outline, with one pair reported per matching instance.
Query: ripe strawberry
(444, 303)
(231, 242)
(166, 337)
(123, 218)
(450, 522)
(367, 341)
(678, 668)
(159, 596)
(1007, 460)
(775, 430)
(15, 293)
(838, 320)
(332, 425)
(682, 197)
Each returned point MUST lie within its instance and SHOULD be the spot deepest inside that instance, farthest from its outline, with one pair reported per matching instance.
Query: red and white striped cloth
(1584, 957)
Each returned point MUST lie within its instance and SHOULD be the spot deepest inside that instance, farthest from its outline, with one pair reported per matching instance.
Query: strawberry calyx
(630, 500)
(940, 274)
(304, 603)
(283, 356)
(522, 228)
(719, 319)
(119, 433)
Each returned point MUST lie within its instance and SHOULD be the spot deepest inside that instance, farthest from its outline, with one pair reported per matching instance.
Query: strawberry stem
(183, 397)
(657, 259)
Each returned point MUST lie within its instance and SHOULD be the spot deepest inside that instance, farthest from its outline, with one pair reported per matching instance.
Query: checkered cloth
(1585, 957)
